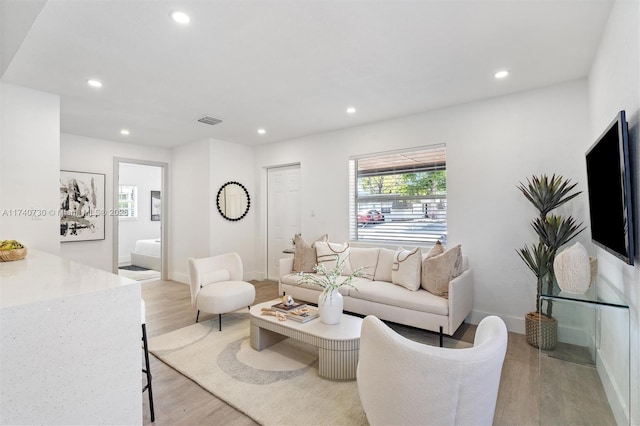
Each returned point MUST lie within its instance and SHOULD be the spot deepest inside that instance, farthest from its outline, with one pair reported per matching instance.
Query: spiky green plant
(554, 231)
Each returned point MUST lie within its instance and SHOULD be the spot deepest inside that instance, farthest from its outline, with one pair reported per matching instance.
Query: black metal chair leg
(147, 370)
(441, 337)
(219, 322)
(198, 316)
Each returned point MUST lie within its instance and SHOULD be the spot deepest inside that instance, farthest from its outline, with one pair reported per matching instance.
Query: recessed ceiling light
(351, 110)
(124, 132)
(94, 83)
(501, 74)
(262, 131)
(180, 17)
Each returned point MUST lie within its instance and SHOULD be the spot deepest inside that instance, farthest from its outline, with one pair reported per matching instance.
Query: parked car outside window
(369, 216)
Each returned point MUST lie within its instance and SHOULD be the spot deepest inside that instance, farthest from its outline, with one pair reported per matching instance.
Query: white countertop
(42, 276)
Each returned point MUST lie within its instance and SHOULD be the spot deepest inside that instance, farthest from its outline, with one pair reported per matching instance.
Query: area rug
(277, 386)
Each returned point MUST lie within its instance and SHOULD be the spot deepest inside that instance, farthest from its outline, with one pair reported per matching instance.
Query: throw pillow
(216, 276)
(385, 264)
(328, 254)
(406, 268)
(437, 271)
(365, 258)
(304, 259)
(437, 249)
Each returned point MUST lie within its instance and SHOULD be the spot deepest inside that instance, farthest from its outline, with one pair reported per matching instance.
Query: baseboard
(124, 260)
(614, 395)
(514, 324)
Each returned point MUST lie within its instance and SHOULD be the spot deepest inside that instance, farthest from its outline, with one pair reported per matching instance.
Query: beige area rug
(277, 386)
(139, 275)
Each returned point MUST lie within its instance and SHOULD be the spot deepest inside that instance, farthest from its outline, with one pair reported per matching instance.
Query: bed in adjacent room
(147, 254)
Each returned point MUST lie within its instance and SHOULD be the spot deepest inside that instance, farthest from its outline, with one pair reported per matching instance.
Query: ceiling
(291, 67)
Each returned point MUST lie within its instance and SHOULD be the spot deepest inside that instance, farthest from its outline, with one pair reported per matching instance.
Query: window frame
(132, 202)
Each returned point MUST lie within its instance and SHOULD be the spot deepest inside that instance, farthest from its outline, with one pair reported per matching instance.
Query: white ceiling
(289, 66)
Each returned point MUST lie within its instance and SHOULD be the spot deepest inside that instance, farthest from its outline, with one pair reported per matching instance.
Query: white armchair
(402, 382)
(217, 286)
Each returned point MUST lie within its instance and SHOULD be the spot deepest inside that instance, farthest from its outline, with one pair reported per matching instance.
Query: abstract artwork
(82, 209)
(156, 203)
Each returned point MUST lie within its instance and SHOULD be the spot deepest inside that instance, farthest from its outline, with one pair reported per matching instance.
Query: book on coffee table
(288, 308)
(308, 316)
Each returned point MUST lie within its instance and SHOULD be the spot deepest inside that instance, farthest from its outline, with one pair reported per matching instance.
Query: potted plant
(554, 231)
(330, 301)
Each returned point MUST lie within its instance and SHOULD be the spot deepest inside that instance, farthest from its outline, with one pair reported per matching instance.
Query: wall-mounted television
(609, 189)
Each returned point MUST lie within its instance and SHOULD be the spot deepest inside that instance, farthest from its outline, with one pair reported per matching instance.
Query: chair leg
(147, 370)
(219, 322)
(198, 315)
(441, 337)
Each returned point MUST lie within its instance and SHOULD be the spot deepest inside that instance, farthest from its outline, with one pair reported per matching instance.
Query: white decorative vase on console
(330, 307)
(573, 270)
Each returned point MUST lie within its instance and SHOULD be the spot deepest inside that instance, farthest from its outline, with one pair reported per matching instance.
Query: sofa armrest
(285, 267)
(460, 299)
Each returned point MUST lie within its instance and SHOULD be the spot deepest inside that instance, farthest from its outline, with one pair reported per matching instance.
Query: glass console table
(585, 379)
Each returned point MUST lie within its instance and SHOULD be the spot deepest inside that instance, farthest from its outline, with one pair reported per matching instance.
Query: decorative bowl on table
(11, 250)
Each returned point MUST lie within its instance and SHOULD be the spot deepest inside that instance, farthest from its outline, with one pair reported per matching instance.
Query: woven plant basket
(10, 255)
(542, 331)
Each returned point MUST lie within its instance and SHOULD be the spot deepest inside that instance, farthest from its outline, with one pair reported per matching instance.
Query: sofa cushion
(435, 250)
(328, 254)
(294, 279)
(406, 268)
(385, 264)
(365, 258)
(387, 293)
(304, 258)
(437, 271)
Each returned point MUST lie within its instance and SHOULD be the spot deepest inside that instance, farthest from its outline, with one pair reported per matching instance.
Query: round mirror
(233, 201)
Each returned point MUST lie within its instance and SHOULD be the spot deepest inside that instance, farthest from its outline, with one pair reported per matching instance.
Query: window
(399, 196)
(127, 203)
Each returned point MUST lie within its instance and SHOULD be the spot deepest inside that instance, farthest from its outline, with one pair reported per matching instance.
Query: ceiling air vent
(207, 119)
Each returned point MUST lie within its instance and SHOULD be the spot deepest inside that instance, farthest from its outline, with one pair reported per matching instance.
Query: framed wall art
(82, 212)
(156, 204)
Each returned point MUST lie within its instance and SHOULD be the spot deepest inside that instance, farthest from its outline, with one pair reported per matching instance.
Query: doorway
(283, 214)
(140, 193)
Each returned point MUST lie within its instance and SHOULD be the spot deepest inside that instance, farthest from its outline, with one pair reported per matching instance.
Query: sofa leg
(441, 336)
(219, 322)
(198, 315)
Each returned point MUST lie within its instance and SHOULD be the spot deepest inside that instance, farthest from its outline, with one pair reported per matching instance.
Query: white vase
(330, 307)
(572, 269)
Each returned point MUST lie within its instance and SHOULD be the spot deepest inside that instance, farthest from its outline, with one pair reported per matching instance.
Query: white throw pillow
(385, 264)
(406, 268)
(365, 258)
(216, 276)
(328, 255)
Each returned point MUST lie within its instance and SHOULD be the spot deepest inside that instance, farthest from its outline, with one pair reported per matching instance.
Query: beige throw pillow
(385, 264)
(365, 258)
(304, 258)
(406, 268)
(437, 271)
(328, 255)
(435, 250)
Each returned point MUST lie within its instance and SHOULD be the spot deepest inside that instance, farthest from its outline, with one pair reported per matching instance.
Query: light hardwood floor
(179, 401)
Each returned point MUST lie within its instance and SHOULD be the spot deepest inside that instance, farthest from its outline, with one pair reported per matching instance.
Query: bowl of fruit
(12, 250)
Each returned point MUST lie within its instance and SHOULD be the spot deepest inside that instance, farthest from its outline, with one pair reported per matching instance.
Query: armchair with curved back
(217, 286)
(402, 382)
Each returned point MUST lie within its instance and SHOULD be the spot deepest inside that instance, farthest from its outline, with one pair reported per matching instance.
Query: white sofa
(389, 301)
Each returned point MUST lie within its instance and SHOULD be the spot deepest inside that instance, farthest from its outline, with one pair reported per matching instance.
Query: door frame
(164, 221)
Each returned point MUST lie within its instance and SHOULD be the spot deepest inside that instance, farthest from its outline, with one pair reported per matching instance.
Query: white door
(283, 214)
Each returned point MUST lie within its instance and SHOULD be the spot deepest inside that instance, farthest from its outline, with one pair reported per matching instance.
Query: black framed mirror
(233, 201)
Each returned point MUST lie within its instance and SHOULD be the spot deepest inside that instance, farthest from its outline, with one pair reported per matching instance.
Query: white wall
(145, 179)
(491, 146)
(29, 164)
(198, 230)
(85, 154)
(189, 206)
(614, 86)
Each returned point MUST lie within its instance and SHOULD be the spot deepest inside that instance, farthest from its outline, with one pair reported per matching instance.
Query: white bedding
(148, 247)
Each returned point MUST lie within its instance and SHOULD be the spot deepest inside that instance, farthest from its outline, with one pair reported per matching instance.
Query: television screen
(609, 188)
